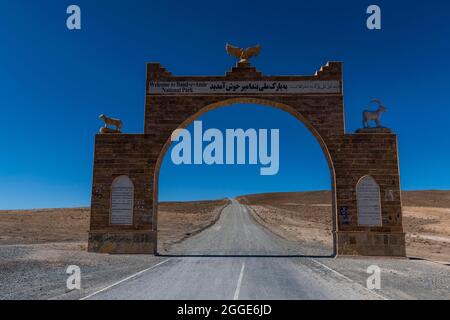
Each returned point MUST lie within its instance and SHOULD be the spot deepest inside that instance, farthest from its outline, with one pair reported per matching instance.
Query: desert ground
(179, 220)
(301, 216)
(298, 217)
(36, 247)
(176, 221)
(306, 217)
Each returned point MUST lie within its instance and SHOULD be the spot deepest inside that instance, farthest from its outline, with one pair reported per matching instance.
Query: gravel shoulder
(401, 279)
(178, 221)
(37, 246)
(38, 271)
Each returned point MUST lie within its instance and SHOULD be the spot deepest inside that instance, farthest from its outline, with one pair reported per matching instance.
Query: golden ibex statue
(117, 123)
(374, 115)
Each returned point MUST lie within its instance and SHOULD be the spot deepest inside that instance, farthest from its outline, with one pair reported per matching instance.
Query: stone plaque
(243, 87)
(122, 198)
(369, 204)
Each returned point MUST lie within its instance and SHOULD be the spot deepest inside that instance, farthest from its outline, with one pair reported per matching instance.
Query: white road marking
(348, 279)
(239, 283)
(123, 280)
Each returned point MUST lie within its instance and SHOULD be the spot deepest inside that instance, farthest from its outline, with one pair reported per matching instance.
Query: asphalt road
(237, 258)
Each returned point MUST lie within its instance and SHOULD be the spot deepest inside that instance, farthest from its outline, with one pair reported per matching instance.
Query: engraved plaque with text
(122, 198)
(368, 201)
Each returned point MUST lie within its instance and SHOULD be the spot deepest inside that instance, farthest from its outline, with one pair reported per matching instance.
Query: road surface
(237, 258)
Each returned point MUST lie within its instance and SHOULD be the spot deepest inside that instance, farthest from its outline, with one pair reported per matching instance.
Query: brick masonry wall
(350, 157)
(122, 154)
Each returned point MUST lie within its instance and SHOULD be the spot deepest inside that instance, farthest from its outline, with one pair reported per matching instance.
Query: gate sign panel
(243, 87)
(369, 204)
(122, 201)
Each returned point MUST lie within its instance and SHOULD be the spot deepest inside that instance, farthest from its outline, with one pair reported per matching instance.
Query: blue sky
(54, 83)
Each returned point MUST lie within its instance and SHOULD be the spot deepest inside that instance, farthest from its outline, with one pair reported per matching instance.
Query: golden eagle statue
(243, 54)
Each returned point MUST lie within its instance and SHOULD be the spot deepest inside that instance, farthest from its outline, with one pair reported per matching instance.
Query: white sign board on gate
(243, 87)
(122, 201)
(368, 202)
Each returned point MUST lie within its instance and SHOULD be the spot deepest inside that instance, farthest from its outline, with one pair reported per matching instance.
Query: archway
(243, 102)
(316, 100)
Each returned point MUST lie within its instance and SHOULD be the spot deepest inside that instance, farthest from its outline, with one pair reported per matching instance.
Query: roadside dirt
(176, 220)
(427, 232)
(298, 217)
(38, 271)
(179, 220)
(306, 217)
(37, 246)
(43, 226)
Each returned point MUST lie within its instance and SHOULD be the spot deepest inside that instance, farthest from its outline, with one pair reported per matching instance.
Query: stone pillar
(134, 156)
(369, 153)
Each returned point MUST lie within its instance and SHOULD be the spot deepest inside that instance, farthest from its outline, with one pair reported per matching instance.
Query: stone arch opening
(239, 101)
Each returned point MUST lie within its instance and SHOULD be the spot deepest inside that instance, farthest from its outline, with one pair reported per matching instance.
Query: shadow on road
(242, 256)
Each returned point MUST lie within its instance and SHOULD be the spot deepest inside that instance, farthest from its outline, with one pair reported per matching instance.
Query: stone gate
(367, 212)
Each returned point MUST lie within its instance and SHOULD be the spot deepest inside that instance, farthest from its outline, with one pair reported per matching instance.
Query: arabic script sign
(242, 87)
